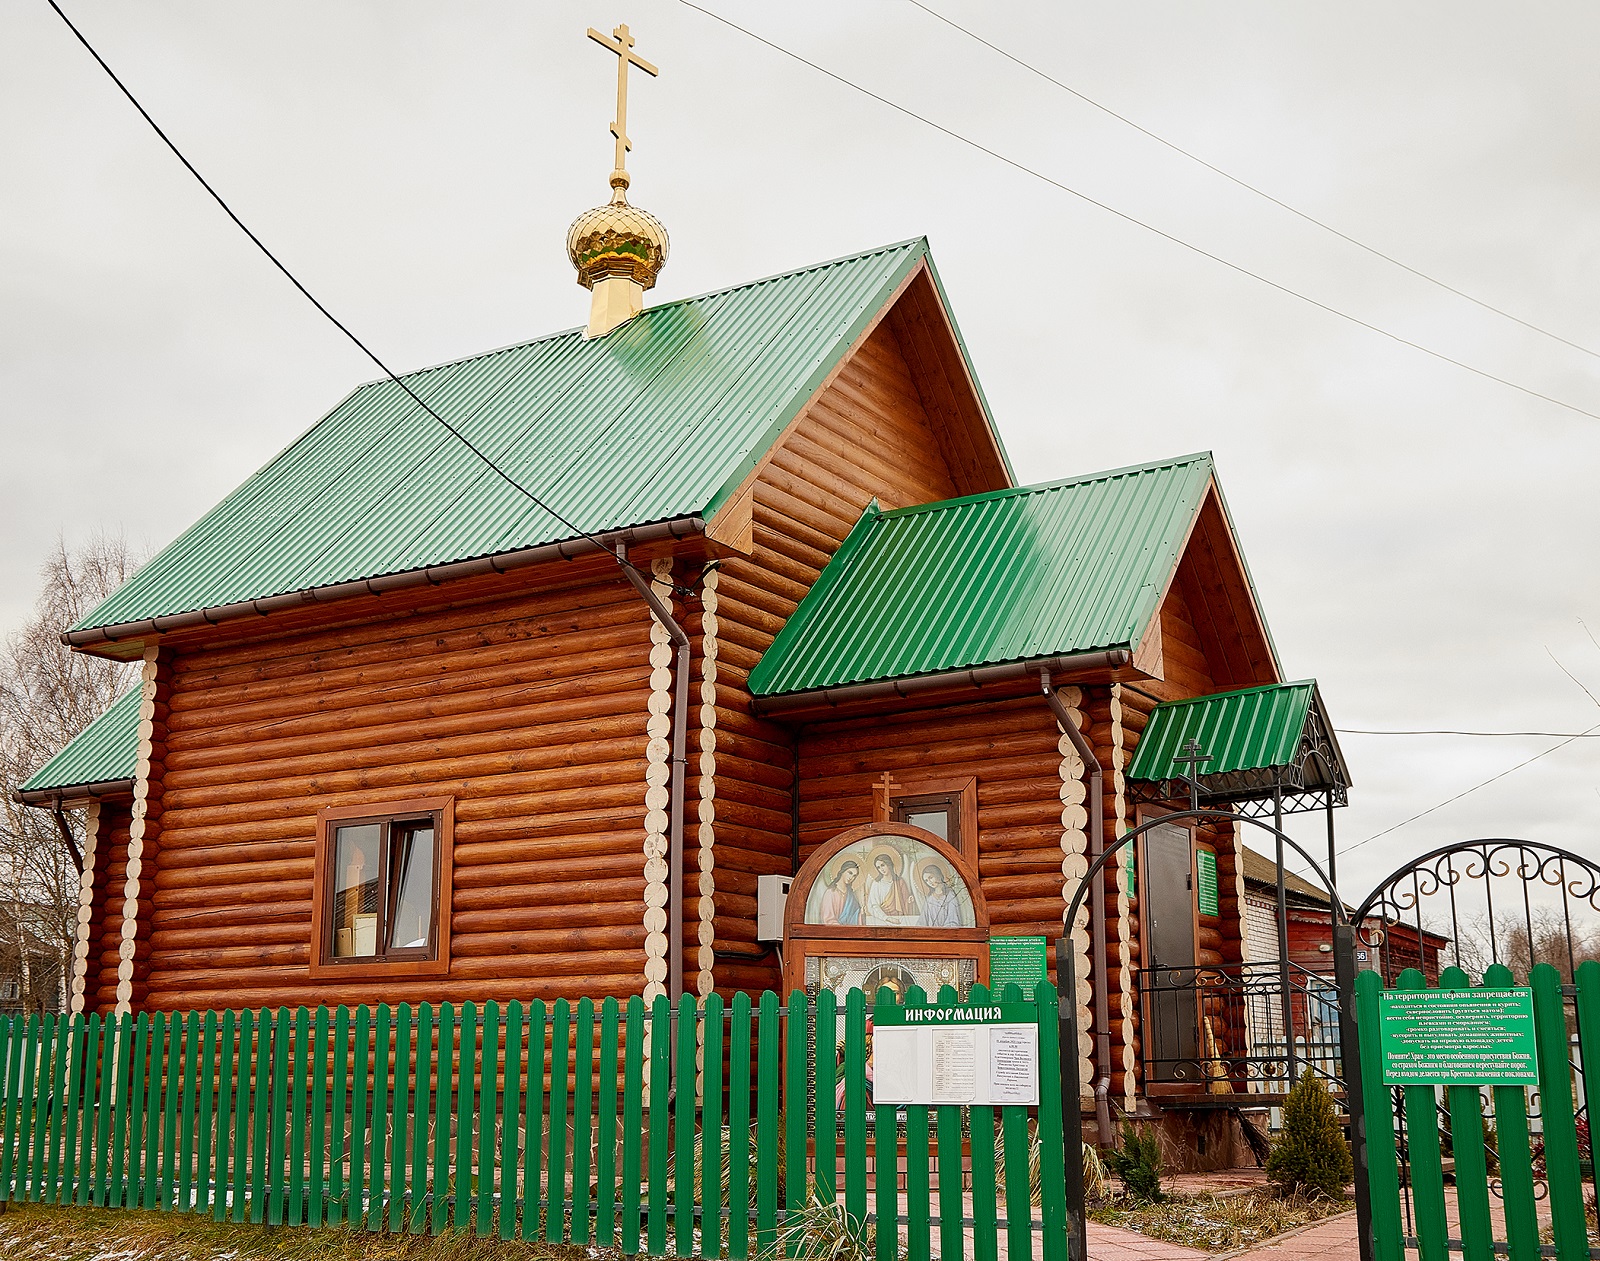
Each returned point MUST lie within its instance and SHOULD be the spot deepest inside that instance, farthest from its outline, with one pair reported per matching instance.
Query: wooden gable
(1210, 635)
(901, 422)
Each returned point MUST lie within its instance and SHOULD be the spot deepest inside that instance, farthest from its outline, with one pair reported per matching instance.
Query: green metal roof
(659, 420)
(103, 752)
(1244, 730)
(1258, 741)
(1010, 575)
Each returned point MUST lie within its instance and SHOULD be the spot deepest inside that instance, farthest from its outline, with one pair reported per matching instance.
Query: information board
(1206, 881)
(956, 1055)
(1458, 1037)
(1023, 961)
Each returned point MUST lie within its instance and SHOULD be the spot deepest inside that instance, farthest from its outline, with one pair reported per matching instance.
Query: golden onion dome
(617, 239)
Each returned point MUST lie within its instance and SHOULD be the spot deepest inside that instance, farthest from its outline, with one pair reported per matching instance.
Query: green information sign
(1458, 1038)
(1206, 866)
(992, 1014)
(1024, 961)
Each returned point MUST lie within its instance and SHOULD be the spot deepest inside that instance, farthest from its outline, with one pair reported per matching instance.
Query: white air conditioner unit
(771, 894)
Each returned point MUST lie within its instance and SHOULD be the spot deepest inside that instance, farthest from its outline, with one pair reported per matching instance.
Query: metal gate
(1335, 1059)
(1481, 1170)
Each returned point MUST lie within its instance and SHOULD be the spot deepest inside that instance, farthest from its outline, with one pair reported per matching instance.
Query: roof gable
(656, 421)
(1011, 575)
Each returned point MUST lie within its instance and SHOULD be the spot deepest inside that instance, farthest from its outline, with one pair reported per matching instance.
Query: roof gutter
(74, 794)
(982, 676)
(498, 563)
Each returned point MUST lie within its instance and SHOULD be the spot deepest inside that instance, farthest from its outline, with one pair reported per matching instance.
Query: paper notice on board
(1013, 1064)
(955, 1065)
(896, 1066)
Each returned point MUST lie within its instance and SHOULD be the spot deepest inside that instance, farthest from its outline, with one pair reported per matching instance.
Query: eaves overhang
(976, 678)
(434, 575)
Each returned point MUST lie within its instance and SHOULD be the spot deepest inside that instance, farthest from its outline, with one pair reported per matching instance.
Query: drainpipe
(680, 721)
(1097, 907)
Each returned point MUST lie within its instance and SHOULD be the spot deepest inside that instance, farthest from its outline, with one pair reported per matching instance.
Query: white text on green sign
(1458, 1037)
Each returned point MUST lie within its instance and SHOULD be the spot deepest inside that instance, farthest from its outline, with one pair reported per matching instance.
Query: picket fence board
(705, 1128)
(1521, 1163)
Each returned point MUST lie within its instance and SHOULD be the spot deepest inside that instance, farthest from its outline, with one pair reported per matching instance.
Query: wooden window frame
(329, 819)
(892, 794)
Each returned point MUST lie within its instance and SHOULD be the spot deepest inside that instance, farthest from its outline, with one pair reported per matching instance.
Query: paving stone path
(1331, 1240)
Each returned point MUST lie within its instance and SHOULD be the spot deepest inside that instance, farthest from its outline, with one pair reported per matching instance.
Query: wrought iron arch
(1343, 953)
(1474, 904)
(1546, 885)
(1221, 816)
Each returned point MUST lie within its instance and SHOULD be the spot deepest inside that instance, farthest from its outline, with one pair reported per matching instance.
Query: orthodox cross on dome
(620, 42)
(1192, 758)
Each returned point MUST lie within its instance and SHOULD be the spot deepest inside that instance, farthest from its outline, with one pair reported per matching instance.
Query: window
(382, 889)
(939, 814)
(946, 807)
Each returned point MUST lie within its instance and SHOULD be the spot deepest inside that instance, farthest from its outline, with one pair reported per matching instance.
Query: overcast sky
(1425, 541)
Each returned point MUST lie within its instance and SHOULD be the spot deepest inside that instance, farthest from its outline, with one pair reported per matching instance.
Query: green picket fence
(712, 1130)
(1539, 1180)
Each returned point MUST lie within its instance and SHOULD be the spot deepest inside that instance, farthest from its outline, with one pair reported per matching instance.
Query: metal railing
(1238, 1028)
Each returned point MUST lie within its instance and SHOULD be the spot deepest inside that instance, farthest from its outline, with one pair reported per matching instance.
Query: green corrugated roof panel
(656, 421)
(1011, 575)
(103, 752)
(1266, 749)
(1247, 730)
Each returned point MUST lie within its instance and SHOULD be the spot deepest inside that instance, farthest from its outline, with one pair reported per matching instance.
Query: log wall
(1032, 817)
(105, 928)
(865, 436)
(523, 696)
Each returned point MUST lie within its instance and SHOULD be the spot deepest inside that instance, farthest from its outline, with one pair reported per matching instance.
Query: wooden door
(1171, 1015)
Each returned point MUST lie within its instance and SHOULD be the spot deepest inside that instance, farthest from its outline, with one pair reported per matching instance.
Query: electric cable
(577, 531)
(1548, 735)
(1139, 223)
(1249, 187)
(1468, 791)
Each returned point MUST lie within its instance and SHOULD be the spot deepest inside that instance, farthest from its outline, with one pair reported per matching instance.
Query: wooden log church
(732, 587)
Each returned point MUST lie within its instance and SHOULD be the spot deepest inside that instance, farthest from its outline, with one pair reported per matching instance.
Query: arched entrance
(1343, 1072)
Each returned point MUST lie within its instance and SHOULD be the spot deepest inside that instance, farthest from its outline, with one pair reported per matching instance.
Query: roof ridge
(695, 297)
(1061, 484)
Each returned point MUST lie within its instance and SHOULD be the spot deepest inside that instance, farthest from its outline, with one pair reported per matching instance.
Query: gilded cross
(621, 43)
(1192, 758)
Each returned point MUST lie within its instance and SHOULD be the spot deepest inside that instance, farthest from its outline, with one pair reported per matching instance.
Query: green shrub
(1137, 1163)
(1310, 1156)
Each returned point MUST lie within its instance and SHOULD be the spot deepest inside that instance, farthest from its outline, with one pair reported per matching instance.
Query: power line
(360, 345)
(1249, 187)
(1467, 791)
(1139, 223)
(1549, 735)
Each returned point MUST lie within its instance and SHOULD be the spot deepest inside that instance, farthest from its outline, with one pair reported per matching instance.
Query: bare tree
(48, 694)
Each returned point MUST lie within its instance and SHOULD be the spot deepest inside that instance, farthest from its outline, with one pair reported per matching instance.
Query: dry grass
(1216, 1223)
(33, 1232)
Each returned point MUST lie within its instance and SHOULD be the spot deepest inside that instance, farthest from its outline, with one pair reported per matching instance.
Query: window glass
(935, 821)
(411, 880)
(356, 875)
